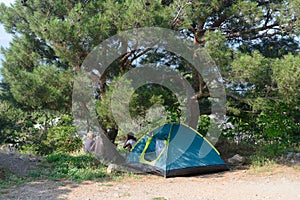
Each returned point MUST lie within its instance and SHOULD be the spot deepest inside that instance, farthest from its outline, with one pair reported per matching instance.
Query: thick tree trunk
(106, 151)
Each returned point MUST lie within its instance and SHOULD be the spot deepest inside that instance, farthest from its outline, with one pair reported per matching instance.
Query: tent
(175, 150)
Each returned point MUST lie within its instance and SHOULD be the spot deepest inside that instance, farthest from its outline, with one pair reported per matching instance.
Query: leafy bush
(13, 122)
(63, 137)
(275, 127)
(203, 124)
(57, 137)
(260, 161)
(76, 168)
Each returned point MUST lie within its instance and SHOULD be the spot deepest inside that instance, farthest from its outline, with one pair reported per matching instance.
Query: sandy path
(281, 183)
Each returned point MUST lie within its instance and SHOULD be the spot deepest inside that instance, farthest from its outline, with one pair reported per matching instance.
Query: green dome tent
(175, 150)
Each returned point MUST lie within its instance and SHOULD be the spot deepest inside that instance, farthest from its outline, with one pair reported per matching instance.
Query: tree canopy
(255, 44)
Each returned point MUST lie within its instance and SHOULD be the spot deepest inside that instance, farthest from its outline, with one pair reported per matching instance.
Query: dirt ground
(280, 182)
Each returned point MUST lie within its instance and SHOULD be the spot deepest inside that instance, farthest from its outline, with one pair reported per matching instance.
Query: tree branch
(268, 17)
(273, 26)
(261, 35)
(137, 56)
(218, 22)
(238, 98)
(263, 3)
(254, 30)
(178, 13)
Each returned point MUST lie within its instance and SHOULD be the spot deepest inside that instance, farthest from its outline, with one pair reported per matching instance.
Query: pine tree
(254, 43)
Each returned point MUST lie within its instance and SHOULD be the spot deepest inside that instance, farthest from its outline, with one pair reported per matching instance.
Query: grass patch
(297, 168)
(76, 168)
(260, 164)
(55, 167)
(261, 157)
(4, 192)
(119, 176)
(260, 161)
(13, 180)
(159, 198)
(106, 185)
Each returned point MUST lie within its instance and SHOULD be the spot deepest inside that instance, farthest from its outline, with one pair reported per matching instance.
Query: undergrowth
(9, 179)
(56, 167)
(75, 168)
(257, 155)
(81, 167)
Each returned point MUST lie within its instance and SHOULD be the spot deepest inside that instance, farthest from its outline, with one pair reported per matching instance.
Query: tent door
(153, 150)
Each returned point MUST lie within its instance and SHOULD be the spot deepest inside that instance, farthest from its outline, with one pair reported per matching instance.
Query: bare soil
(275, 182)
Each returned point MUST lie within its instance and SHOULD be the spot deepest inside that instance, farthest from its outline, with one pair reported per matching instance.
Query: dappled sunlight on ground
(273, 182)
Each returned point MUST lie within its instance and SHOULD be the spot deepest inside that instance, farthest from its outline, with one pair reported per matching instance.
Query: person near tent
(129, 141)
(89, 143)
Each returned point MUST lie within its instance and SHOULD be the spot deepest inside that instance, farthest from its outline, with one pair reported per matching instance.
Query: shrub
(76, 168)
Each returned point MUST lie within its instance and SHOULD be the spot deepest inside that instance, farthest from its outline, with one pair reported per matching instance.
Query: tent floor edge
(199, 170)
(146, 169)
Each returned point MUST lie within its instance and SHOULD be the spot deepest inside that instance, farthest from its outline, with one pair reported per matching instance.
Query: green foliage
(252, 71)
(203, 124)
(219, 50)
(104, 106)
(44, 87)
(146, 105)
(261, 161)
(149, 95)
(11, 180)
(286, 74)
(63, 137)
(273, 47)
(76, 168)
(266, 128)
(254, 44)
(174, 112)
(53, 136)
(275, 127)
(267, 89)
(12, 122)
(270, 154)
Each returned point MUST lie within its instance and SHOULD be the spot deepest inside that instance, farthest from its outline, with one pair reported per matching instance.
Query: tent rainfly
(175, 150)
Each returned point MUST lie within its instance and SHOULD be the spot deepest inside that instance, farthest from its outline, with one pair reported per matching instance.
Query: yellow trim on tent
(162, 124)
(170, 132)
(142, 157)
(203, 138)
(166, 142)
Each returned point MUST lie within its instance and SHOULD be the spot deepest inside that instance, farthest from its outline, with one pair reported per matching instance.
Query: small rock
(117, 195)
(281, 157)
(297, 156)
(236, 159)
(112, 168)
(289, 155)
(23, 157)
(33, 159)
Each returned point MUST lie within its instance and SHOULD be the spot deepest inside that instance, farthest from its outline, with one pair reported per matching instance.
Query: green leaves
(12, 122)
(219, 50)
(45, 87)
(50, 132)
(286, 74)
(77, 168)
(251, 69)
(252, 42)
